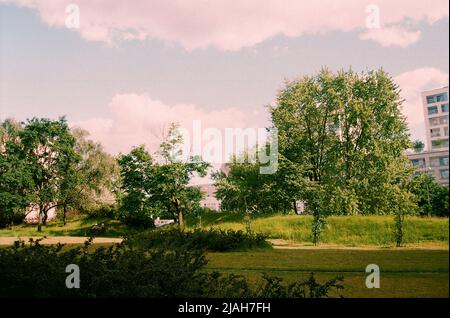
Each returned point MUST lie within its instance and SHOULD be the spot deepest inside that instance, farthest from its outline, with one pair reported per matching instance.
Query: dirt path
(60, 239)
(283, 244)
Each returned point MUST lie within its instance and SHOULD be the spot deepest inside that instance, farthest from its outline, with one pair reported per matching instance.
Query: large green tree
(92, 181)
(347, 133)
(47, 147)
(15, 176)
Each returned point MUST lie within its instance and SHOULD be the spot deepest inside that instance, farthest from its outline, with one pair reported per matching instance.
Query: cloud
(412, 84)
(391, 36)
(138, 119)
(233, 25)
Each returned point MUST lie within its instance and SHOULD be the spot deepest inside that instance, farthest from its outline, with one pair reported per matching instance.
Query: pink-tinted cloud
(391, 36)
(412, 84)
(232, 25)
(138, 119)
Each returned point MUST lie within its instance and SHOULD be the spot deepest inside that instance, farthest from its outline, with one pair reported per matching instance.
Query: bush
(108, 211)
(123, 270)
(212, 240)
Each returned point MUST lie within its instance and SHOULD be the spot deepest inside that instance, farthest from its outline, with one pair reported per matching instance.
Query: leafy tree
(432, 198)
(347, 133)
(245, 189)
(92, 181)
(152, 186)
(15, 176)
(48, 149)
(171, 180)
(136, 172)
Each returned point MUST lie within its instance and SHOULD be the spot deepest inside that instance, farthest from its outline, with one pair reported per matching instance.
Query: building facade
(435, 107)
(434, 161)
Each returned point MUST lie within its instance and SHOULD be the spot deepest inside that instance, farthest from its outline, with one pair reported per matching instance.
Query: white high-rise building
(435, 107)
(434, 160)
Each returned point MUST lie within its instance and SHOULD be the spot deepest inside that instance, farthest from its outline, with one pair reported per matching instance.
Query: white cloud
(412, 84)
(391, 36)
(232, 25)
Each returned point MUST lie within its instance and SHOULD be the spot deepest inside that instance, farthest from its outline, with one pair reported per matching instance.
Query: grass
(341, 230)
(78, 226)
(403, 273)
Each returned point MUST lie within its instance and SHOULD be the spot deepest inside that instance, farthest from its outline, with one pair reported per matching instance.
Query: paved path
(60, 239)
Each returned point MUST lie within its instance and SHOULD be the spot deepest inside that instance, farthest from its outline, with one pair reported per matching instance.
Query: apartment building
(434, 161)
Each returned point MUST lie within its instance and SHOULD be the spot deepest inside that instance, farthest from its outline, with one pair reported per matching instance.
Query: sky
(129, 68)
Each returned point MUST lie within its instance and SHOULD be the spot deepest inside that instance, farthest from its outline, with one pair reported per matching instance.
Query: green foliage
(15, 176)
(211, 240)
(91, 183)
(273, 288)
(418, 146)
(431, 196)
(153, 188)
(124, 270)
(137, 170)
(347, 133)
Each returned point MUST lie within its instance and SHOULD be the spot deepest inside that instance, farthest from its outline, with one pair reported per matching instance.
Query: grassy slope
(404, 273)
(345, 230)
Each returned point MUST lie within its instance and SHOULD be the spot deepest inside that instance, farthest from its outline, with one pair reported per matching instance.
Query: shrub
(123, 270)
(212, 240)
(108, 211)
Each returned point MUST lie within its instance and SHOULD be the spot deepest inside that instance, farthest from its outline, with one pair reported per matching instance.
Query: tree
(432, 198)
(92, 180)
(418, 146)
(347, 133)
(151, 187)
(48, 149)
(172, 176)
(245, 189)
(15, 176)
(136, 173)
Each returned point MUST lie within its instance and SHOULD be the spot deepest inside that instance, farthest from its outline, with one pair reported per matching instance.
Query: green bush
(124, 270)
(108, 211)
(212, 240)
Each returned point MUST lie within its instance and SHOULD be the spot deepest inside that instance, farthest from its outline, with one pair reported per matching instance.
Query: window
(432, 110)
(434, 162)
(430, 99)
(443, 120)
(418, 163)
(437, 144)
(435, 132)
(438, 161)
(434, 121)
(446, 131)
(441, 97)
(444, 108)
(444, 173)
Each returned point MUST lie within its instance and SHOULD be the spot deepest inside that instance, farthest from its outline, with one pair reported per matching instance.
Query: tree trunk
(295, 207)
(40, 219)
(180, 217)
(64, 214)
(44, 219)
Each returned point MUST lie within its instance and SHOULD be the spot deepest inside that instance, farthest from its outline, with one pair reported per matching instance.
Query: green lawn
(342, 230)
(339, 230)
(75, 227)
(403, 273)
